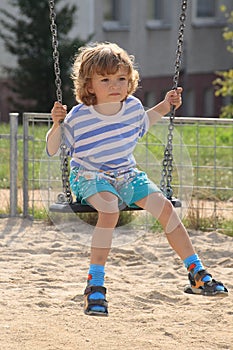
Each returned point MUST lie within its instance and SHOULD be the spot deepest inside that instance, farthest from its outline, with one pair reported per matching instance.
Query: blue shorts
(128, 185)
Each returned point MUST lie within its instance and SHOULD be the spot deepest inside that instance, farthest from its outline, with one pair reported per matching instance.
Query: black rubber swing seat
(77, 207)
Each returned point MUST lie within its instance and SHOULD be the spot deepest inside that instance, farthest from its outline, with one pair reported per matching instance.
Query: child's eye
(122, 78)
(104, 80)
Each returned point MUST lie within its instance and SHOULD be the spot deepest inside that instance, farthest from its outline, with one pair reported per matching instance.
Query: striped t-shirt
(101, 142)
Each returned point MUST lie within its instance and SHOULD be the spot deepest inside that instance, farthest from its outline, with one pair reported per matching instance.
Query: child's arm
(58, 113)
(173, 97)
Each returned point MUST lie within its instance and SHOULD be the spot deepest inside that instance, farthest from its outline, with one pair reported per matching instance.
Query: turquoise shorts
(128, 185)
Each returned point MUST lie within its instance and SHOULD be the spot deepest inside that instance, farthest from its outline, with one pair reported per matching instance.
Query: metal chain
(64, 151)
(166, 178)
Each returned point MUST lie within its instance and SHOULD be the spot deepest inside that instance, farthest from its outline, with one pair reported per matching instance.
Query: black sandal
(89, 303)
(198, 286)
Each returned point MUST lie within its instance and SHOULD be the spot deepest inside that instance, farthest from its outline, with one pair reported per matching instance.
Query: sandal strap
(93, 289)
(99, 302)
(201, 274)
(210, 287)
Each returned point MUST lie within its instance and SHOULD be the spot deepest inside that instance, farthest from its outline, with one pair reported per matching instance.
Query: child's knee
(105, 202)
(109, 208)
(167, 208)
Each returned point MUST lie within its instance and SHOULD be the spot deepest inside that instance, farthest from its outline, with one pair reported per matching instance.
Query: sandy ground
(42, 278)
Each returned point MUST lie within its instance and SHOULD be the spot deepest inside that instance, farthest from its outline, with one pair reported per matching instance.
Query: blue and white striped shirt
(106, 143)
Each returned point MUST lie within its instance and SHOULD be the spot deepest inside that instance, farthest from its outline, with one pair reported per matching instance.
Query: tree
(224, 82)
(27, 36)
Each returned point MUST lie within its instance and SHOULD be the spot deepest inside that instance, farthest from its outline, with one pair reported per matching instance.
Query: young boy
(101, 133)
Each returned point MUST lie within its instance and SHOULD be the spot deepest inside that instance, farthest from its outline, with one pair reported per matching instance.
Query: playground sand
(43, 274)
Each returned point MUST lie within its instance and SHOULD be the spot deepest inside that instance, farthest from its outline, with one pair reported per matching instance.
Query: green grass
(207, 151)
(36, 149)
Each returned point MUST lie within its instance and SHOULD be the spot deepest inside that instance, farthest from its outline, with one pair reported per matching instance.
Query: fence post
(13, 163)
(25, 165)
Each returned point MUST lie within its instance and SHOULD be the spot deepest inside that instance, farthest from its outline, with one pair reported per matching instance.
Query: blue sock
(96, 278)
(195, 263)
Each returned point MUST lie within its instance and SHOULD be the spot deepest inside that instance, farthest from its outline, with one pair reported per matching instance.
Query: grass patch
(210, 150)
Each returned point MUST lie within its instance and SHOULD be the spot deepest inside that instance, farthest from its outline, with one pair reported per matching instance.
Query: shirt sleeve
(144, 121)
(68, 133)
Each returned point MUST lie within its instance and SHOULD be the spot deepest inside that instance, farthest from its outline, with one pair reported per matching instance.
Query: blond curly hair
(101, 58)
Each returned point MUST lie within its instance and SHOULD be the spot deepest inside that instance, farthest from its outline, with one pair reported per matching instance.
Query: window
(206, 12)
(111, 10)
(206, 8)
(155, 10)
(116, 14)
(158, 14)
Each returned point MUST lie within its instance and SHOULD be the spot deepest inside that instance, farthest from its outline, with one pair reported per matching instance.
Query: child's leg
(163, 211)
(106, 204)
(178, 238)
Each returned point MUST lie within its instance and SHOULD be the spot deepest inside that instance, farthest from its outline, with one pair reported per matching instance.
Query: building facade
(148, 29)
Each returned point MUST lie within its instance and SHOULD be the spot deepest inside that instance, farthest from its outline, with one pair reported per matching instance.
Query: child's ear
(90, 88)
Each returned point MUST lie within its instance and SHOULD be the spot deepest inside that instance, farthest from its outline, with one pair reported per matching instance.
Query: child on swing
(101, 133)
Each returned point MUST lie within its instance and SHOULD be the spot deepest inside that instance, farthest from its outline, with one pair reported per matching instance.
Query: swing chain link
(166, 178)
(53, 28)
(63, 147)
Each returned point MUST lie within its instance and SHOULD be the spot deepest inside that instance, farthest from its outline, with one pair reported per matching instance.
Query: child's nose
(114, 84)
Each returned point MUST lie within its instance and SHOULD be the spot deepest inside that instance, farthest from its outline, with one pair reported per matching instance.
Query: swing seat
(176, 202)
(77, 207)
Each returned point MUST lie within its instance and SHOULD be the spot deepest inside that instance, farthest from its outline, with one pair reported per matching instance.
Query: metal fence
(202, 174)
(8, 158)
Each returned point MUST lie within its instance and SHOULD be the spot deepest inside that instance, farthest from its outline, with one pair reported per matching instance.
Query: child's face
(110, 87)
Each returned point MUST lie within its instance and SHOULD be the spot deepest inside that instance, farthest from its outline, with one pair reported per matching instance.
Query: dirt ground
(43, 274)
